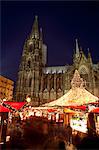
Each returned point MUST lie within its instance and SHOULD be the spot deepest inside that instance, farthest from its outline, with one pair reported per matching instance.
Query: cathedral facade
(43, 83)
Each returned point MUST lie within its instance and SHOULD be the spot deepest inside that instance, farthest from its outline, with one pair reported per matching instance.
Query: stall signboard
(79, 123)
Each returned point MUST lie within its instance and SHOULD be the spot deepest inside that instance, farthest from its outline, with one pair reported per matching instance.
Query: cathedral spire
(41, 34)
(77, 47)
(89, 57)
(35, 30)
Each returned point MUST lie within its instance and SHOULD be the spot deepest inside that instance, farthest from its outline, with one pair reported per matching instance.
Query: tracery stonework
(43, 83)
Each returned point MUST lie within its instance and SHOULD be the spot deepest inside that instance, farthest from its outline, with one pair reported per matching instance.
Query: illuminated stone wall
(6, 88)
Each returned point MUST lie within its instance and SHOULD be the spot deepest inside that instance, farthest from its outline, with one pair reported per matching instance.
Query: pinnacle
(35, 30)
(36, 17)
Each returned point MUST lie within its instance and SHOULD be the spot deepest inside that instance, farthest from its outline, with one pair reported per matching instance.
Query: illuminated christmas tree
(77, 81)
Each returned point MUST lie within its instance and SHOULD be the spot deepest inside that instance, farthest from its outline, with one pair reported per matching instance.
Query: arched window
(36, 44)
(30, 48)
(30, 82)
(96, 82)
(29, 64)
(25, 82)
(59, 81)
(52, 82)
(83, 70)
(36, 58)
(45, 82)
(84, 75)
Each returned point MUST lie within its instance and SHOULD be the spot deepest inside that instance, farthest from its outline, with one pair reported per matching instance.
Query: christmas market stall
(95, 112)
(3, 123)
(8, 111)
(78, 99)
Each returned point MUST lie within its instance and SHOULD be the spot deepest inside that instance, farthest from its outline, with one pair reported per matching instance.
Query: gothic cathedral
(43, 83)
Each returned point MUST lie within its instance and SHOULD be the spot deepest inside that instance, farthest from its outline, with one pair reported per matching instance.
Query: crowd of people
(28, 131)
(38, 133)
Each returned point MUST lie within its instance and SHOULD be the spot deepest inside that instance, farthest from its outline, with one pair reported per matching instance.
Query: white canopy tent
(77, 95)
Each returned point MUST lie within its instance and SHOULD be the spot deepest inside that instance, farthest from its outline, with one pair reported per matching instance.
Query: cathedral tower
(32, 62)
(43, 83)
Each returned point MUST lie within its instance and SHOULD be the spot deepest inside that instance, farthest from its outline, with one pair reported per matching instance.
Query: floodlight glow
(28, 99)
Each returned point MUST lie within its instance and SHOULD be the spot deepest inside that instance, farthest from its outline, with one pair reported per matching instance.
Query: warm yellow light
(28, 99)
(4, 99)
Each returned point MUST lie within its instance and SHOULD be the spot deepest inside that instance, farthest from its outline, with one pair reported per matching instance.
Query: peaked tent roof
(77, 95)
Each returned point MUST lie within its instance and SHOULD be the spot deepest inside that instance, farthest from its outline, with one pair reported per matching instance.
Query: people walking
(69, 133)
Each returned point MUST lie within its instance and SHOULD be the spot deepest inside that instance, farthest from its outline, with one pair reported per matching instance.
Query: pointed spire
(88, 51)
(89, 57)
(77, 47)
(41, 34)
(41, 38)
(83, 56)
(35, 30)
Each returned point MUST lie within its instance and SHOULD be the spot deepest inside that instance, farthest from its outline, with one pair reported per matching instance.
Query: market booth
(6, 109)
(3, 123)
(95, 111)
(78, 99)
(14, 105)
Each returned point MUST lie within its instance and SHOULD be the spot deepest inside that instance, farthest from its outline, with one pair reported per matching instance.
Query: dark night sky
(62, 22)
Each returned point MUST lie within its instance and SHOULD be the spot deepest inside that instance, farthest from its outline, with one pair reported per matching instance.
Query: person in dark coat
(69, 133)
(62, 145)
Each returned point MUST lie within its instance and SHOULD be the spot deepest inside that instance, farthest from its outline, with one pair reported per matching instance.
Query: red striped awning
(96, 110)
(16, 105)
(83, 107)
(4, 109)
(51, 110)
